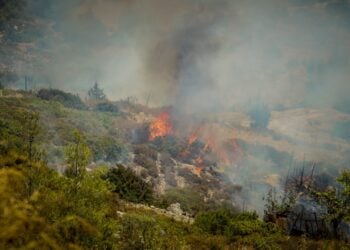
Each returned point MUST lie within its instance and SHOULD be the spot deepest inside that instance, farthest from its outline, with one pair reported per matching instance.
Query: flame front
(161, 126)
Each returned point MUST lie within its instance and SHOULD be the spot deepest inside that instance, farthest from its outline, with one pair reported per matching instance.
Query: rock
(175, 208)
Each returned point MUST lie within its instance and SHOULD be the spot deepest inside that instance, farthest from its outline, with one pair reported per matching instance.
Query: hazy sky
(205, 54)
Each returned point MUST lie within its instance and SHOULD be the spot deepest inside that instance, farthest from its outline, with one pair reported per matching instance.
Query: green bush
(128, 185)
(67, 99)
(107, 107)
(214, 222)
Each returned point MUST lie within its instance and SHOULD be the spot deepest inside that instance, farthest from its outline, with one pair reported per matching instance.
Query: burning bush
(161, 126)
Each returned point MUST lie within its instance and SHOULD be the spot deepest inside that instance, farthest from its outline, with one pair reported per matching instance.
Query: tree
(337, 202)
(30, 130)
(95, 93)
(78, 156)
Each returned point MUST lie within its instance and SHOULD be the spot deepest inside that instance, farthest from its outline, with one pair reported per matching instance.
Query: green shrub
(191, 201)
(128, 185)
(67, 99)
(107, 107)
(214, 222)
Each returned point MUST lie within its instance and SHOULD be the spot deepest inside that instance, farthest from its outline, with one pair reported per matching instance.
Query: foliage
(144, 231)
(10, 9)
(169, 144)
(277, 205)
(40, 211)
(67, 99)
(77, 156)
(107, 107)
(190, 200)
(241, 227)
(108, 149)
(214, 222)
(337, 202)
(55, 125)
(128, 185)
(30, 130)
(95, 93)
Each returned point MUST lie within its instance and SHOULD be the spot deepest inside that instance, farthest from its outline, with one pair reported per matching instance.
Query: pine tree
(95, 93)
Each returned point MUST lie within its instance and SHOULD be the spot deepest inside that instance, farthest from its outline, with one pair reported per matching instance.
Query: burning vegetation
(161, 126)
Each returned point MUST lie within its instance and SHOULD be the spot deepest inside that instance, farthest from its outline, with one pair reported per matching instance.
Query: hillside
(221, 155)
(184, 172)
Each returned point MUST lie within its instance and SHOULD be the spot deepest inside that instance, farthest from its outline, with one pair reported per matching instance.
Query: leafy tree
(128, 185)
(78, 156)
(97, 94)
(337, 202)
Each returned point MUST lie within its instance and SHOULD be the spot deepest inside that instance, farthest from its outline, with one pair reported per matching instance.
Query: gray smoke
(201, 54)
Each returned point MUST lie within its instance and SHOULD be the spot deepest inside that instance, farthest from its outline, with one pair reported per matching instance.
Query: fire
(198, 171)
(226, 151)
(192, 139)
(161, 126)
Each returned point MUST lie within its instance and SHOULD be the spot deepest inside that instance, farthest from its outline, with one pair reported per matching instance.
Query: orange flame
(192, 138)
(198, 171)
(161, 126)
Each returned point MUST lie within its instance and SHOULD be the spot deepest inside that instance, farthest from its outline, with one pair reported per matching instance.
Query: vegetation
(95, 93)
(77, 156)
(68, 100)
(107, 107)
(9, 10)
(337, 202)
(128, 185)
(40, 208)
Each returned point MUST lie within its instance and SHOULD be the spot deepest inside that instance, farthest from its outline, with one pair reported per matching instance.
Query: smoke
(203, 55)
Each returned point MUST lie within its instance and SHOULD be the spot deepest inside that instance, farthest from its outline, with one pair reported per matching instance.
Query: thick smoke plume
(203, 55)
